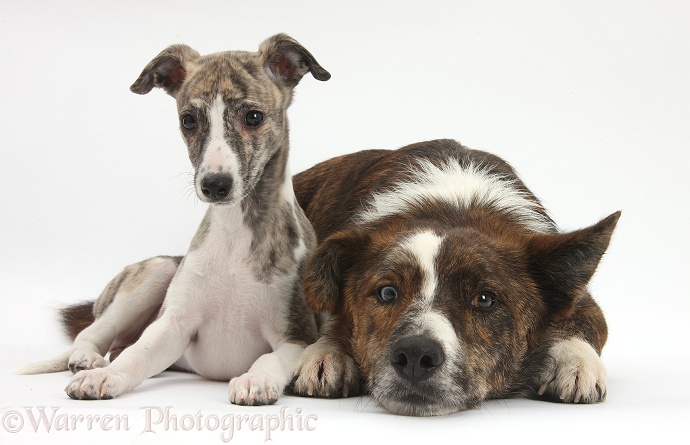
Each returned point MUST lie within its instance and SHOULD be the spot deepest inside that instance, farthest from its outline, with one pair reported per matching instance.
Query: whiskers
(189, 192)
(189, 188)
(363, 403)
(253, 198)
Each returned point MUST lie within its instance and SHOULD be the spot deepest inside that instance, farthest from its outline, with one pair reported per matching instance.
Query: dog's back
(367, 185)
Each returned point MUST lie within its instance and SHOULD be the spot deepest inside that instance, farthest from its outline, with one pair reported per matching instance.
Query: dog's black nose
(416, 358)
(216, 186)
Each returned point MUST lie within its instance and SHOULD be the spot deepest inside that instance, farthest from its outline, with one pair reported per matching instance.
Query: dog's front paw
(574, 373)
(253, 389)
(80, 360)
(325, 370)
(100, 383)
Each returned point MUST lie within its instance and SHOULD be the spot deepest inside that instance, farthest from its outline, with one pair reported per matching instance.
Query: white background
(588, 100)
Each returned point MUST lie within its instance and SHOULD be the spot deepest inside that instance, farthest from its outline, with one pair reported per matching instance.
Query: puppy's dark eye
(484, 300)
(188, 122)
(253, 118)
(387, 294)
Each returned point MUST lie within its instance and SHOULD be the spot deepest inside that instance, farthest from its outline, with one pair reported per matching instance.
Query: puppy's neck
(265, 202)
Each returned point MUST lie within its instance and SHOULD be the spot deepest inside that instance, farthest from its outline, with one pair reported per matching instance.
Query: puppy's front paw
(574, 373)
(253, 389)
(80, 360)
(100, 383)
(326, 371)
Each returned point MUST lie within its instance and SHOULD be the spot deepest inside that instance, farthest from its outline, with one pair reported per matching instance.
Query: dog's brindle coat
(232, 307)
(446, 284)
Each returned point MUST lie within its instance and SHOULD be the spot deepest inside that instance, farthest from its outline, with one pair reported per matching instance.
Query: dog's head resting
(232, 109)
(441, 319)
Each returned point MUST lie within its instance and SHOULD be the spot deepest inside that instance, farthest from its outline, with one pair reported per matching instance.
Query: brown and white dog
(232, 308)
(446, 283)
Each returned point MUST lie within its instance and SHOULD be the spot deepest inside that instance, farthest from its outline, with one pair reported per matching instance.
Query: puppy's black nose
(416, 358)
(216, 186)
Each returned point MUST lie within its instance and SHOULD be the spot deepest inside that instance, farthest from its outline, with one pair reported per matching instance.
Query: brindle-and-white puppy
(232, 307)
(447, 284)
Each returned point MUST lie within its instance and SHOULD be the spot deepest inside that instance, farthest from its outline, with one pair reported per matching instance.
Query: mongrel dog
(232, 307)
(447, 284)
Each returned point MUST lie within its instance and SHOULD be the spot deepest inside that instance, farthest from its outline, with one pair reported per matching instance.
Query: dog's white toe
(326, 371)
(80, 360)
(253, 389)
(574, 373)
(100, 383)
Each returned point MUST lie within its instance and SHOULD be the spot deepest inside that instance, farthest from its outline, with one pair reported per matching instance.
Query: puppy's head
(441, 320)
(232, 109)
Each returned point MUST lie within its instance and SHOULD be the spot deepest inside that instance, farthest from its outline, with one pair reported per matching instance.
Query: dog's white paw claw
(93, 384)
(574, 373)
(253, 389)
(81, 360)
(326, 371)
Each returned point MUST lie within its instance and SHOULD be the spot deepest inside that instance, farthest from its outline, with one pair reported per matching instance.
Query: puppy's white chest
(239, 317)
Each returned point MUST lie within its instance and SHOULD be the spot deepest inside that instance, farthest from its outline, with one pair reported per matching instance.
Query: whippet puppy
(231, 309)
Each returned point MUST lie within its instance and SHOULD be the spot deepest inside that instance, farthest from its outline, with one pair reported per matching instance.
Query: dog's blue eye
(253, 118)
(387, 294)
(485, 300)
(188, 122)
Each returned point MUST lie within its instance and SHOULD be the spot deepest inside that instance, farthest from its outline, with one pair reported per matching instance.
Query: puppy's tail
(74, 320)
(56, 364)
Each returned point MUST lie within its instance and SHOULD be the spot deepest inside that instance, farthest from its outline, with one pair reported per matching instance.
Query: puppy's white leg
(129, 302)
(325, 370)
(574, 373)
(267, 378)
(161, 344)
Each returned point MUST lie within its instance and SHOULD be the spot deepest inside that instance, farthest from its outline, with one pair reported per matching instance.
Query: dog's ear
(563, 264)
(327, 267)
(286, 61)
(167, 70)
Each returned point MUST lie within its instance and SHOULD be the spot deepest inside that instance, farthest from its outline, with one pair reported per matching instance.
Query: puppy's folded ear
(563, 264)
(167, 70)
(328, 267)
(286, 61)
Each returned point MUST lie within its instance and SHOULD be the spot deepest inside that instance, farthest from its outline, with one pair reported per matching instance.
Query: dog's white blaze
(435, 325)
(424, 246)
(218, 155)
(459, 186)
(438, 326)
